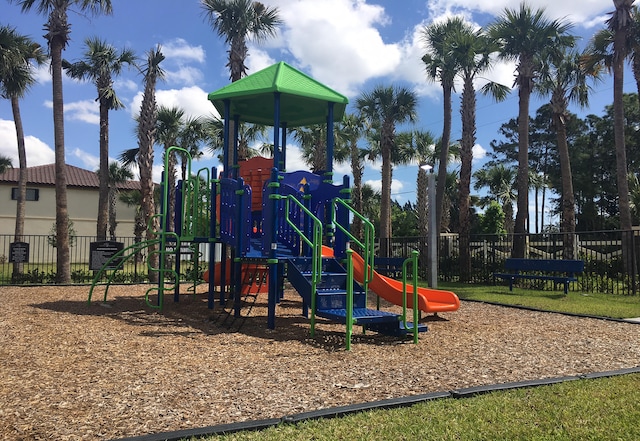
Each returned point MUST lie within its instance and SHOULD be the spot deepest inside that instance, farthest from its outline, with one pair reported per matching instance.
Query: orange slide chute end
(429, 300)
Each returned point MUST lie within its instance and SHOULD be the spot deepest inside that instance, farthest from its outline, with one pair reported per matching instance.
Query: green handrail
(368, 241)
(122, 256)
(349, 315)
(315, 243)
(413, 261)
(161, 252)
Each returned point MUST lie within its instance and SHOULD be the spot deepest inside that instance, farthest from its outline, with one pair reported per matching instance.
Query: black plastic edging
(336, 412)
(207, 431)
(341, 411)
(478, 390)
(606, 374)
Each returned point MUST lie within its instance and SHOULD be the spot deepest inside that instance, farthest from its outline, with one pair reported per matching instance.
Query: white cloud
(184, 75)
(396, 186)
(125, 84)
(180, 50)
(89, 162)
(258, 59)
(38, 152)
(193, 100)
(179, 55)
(479, 153)
(555, 10)
(87, 111)
(337, 41)
(42, 73)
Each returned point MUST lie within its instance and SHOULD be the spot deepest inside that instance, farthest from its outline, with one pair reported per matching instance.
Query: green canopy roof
(303, 100)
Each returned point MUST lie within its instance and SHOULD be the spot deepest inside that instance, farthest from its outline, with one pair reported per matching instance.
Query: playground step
(337, 299)
(361, 316)
(396, 330)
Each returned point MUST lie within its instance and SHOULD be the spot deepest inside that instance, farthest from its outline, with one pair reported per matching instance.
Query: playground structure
(269, 225)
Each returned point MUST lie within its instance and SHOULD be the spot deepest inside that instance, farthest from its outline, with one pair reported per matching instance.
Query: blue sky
(350, 45)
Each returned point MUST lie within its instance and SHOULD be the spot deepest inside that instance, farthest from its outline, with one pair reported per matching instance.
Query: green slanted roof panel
(303, 100)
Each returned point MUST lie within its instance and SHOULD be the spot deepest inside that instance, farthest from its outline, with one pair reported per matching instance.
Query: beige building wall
(40, 215)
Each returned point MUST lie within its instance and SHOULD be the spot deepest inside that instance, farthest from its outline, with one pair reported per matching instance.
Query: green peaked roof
(303, 100)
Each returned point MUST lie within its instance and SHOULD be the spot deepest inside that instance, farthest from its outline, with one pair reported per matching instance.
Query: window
(33, 194)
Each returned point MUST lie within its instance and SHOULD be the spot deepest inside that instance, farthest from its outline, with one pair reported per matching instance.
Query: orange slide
(429, 300)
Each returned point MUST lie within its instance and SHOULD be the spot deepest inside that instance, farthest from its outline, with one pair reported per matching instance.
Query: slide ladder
(329, 288)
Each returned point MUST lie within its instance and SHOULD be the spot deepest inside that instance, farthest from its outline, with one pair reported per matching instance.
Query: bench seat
(562, 271)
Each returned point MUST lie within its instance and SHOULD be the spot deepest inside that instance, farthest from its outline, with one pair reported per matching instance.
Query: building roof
(304, 101)
(76, 177)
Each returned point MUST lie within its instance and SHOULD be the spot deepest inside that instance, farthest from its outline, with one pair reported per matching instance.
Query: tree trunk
(103, 172)
(385, 201)
(618, 128)
(444, 155)
(423, 219)
(356, 193)
(62, 213)
(568, 222)
(522, 215)
(22, 182)
(468, 113)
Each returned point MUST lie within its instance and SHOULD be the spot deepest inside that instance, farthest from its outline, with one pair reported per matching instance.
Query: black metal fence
(612, 258)
(39, 266)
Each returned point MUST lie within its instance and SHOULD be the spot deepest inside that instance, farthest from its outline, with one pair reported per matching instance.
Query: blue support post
(225, 135)
(236, 131)
(283, 161)
(329, 168)
(342, 217)
(273, 296)
(237, 264)
(274, 185)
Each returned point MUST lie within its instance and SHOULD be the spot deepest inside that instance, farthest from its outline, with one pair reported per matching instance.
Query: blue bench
(559, 271)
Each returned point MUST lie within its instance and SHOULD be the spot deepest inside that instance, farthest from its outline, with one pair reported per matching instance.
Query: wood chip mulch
(73, 371)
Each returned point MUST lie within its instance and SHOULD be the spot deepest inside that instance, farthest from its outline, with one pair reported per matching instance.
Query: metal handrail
(413, 261)
(315, 244)
(368, 242)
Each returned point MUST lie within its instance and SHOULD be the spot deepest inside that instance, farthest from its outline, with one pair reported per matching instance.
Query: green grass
(604, 305)
(603, 409)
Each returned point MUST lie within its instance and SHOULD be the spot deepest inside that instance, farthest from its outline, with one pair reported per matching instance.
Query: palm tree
(530, 38)
(58, 31)
(238, 21)
(117, 175)
(565, 79)
(349, 132)
(5, 163)
(619, 24)
(501, 182)
(133, 198)
(423, 149)
(146, 136)
(100, 63)
(442, 66)
(471, 48)
(18, 53)
(191, 136)
(384, 108)
(168, 126)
